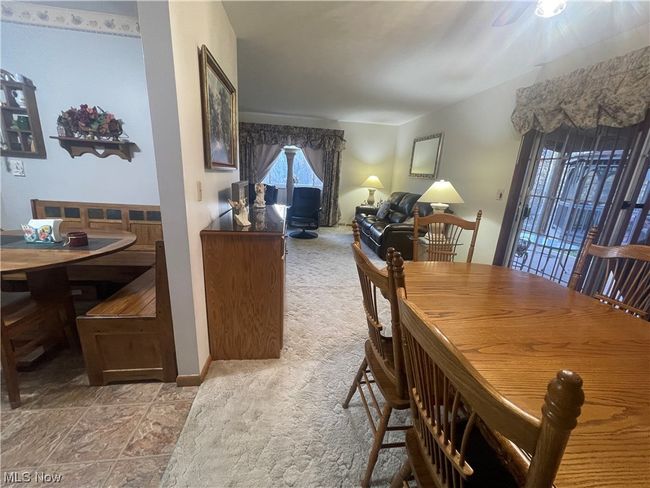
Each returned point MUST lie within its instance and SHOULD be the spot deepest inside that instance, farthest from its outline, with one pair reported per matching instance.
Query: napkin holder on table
(43, 230)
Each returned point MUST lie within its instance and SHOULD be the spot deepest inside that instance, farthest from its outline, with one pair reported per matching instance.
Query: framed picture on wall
(219, 113)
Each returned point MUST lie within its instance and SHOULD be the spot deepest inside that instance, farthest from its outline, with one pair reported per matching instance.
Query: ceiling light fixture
(549, 8)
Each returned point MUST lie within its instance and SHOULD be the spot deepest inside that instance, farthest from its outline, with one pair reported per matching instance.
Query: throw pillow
(383, 210)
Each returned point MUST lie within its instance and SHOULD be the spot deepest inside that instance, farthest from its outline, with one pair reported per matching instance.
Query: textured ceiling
(388, 62)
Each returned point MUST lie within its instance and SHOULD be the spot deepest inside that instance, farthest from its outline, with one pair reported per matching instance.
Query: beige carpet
(276, 423)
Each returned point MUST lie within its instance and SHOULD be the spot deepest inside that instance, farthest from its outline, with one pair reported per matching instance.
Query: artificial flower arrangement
(89, 123)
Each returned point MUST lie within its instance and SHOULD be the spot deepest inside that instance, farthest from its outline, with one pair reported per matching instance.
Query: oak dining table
(519, 329)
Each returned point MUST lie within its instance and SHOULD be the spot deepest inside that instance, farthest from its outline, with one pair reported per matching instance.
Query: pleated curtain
(260, 144)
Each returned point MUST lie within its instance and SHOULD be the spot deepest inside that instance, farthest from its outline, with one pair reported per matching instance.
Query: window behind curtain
(303, 175)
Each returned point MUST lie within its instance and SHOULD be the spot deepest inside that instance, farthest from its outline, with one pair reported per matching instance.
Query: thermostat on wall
(17, 167)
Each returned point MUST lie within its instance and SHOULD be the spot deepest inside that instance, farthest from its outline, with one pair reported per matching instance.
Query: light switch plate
(17, 167)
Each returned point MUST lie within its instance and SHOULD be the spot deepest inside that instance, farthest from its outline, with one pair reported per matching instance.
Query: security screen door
(578, 179)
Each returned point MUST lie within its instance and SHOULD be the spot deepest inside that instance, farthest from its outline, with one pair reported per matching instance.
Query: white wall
(369, 150)
(172, 34)
(478, 156)
(70, 68)
(480, 145)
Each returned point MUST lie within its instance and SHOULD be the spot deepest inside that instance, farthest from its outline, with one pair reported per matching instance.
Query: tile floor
(84, 436)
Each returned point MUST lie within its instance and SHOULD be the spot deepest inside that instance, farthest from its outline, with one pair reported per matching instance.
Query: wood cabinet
(19, 121)
(244, 269)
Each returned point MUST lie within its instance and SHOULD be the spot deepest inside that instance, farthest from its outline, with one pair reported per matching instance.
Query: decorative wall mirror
(425, 158)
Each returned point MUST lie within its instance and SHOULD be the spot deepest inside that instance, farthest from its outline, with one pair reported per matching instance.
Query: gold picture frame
(219, 114)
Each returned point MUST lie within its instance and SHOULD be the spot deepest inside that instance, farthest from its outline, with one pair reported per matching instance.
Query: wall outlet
(500, 194)
(17, 167)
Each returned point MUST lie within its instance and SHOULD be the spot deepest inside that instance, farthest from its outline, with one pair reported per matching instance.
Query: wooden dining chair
(624, 282)
(442, 236)
(383, 363)
(458, 416)
(27, 325)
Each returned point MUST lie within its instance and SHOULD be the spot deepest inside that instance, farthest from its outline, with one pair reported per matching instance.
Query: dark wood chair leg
(402, 475)
(376, 445)
(10, 374)
(355, 383)
(57, 326)
(69, 322)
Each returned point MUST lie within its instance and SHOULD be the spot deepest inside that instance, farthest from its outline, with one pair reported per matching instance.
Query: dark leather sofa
(392, 231)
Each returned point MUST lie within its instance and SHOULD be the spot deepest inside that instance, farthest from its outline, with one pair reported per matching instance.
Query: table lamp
(440, 194)
(372, 183)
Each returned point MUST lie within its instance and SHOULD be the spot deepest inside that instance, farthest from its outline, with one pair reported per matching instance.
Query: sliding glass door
(576, 180)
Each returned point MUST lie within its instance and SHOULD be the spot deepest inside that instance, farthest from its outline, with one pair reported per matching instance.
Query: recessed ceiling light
(549, 8)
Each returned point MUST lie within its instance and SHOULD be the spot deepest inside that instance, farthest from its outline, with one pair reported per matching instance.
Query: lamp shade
(372, 182)
(441, 191)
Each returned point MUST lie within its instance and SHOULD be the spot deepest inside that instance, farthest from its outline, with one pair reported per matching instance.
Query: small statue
(260, 188)
(240, 210)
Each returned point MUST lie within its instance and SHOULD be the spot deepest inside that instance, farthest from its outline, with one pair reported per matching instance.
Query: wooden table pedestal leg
(53, 285)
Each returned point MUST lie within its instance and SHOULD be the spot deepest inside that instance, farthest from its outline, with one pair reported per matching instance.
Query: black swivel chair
(304, 212)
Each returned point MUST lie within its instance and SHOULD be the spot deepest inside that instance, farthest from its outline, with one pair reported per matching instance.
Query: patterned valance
(614, 93)
(287, 135)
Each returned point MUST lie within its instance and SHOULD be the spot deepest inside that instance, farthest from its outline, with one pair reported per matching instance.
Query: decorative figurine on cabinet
(240, 212)
(260, 189)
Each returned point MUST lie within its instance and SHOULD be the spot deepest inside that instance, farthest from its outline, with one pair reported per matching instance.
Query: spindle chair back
(383, 363)
(442, 237)
(623, 281)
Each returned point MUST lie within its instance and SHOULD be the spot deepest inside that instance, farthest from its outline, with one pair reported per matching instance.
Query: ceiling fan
(512, 11)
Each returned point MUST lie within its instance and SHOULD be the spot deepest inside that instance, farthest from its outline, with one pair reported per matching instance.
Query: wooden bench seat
(137, 299)
(129, 336)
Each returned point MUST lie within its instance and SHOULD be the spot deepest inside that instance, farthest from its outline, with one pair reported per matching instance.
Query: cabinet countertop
(267, 220)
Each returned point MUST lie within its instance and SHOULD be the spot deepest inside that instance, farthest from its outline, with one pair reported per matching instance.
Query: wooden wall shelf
(102, 149)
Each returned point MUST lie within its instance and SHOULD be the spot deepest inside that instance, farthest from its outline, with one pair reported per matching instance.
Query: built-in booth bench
(129, 336)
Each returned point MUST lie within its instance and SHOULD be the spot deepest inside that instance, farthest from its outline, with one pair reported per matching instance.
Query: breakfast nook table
(18, 255)
(45, 263)
(32, 322)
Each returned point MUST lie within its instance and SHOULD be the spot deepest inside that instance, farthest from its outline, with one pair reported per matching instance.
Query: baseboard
(194, 379)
